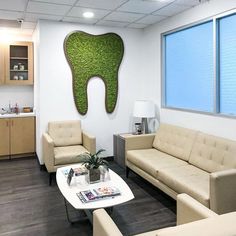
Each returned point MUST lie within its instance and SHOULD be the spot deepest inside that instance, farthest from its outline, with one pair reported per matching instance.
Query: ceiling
(114, 13)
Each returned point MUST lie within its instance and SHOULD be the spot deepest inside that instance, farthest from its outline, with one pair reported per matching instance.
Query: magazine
(77, 171)
(107, 191)
(98, 194)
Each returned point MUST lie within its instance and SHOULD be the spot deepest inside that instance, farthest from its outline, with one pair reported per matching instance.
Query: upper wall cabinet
(19, 63)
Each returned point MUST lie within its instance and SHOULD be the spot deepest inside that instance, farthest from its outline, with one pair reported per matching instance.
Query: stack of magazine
(92, 195)
(77, 171)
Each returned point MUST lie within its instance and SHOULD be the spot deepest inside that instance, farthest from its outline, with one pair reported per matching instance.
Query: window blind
(227, 64)
(189, 68)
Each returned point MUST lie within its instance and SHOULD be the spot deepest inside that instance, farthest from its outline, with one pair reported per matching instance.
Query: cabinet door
(4, 137)
(19, 63)
(22, 135)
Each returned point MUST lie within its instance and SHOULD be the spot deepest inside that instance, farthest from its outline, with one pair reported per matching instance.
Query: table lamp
(144, 109)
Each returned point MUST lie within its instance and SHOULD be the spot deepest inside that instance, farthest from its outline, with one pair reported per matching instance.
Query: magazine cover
(106, 191)
(77, 171)
(98, 194)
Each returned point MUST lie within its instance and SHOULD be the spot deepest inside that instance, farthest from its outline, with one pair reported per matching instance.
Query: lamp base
(144, 126)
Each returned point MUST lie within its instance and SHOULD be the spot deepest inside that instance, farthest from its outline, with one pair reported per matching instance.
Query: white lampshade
(144, 109)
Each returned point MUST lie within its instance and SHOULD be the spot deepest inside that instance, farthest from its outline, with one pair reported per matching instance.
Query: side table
(119, 148)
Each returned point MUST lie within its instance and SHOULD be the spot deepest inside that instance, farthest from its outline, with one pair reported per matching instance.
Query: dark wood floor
(28, 206)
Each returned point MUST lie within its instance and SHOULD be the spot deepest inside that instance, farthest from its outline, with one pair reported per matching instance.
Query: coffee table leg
(68, 216)
(88, 212)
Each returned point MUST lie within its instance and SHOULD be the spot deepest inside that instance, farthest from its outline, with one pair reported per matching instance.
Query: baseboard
(17, 157)
(109, 158)
(41, 166)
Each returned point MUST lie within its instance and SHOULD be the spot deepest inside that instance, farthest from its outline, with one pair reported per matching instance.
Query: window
(192, 81)
(189, 70)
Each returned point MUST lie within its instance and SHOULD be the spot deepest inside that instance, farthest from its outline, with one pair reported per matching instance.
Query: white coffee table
(69, 192)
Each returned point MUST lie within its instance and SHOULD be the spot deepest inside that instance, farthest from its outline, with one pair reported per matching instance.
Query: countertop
(14, 115)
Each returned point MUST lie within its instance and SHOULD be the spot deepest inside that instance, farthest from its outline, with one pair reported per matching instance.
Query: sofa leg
(50, 178)
(127, 171)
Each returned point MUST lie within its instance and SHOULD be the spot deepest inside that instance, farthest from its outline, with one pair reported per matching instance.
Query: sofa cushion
(174, 140)
(65, 133)
(212, 153)
(187, 179)
(223, 225)
(152, 160)
(68, 154)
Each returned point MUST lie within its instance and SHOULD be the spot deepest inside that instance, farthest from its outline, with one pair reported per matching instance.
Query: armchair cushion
(187, 179)
(65, 133)
(68, 154)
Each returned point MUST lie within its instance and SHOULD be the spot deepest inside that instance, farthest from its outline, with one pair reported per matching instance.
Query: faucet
(9, 107)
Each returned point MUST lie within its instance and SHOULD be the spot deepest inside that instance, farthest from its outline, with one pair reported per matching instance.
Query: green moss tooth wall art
(94, 56)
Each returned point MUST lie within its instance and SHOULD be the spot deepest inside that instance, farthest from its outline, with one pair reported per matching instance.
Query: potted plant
(92, 162)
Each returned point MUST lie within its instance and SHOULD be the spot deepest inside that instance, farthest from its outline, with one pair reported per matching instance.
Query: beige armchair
(193, 219)
(62, 144)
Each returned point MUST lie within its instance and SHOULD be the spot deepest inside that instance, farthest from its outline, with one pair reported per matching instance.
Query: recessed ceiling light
(88, 14)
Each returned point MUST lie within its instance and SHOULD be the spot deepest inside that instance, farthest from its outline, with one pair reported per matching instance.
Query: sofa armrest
(48, 152)
(223, 191)
(142, 141)
(89, 142)
(189, 210)
(103, 225)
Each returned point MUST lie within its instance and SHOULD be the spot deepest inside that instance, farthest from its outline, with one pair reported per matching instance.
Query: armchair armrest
(141, 141)
(189, 210)
(223, 191)
(48, 152)
(89, 142)
(103, 225)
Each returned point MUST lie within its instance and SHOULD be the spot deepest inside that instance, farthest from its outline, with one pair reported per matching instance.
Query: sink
(9, 115)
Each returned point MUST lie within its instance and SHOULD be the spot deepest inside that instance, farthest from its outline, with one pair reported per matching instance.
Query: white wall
(225, 127)
(37, 85)
(55, 84)
(22, 95)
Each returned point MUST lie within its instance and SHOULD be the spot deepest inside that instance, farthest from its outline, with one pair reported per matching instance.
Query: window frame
(216, 63)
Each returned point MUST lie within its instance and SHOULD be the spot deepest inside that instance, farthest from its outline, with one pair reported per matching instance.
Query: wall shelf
(19, 58)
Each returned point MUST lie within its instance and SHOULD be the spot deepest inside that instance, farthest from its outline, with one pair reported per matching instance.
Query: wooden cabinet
(19, 63)
(17, 136)
(22, 135)
(4, 137)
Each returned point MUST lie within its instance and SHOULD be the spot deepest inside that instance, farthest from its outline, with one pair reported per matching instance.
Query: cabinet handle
(7, 123)
(12, 122)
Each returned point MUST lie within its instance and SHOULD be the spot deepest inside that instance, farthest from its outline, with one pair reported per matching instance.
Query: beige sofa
(62, 144)
(193, 219)
(179, 160)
